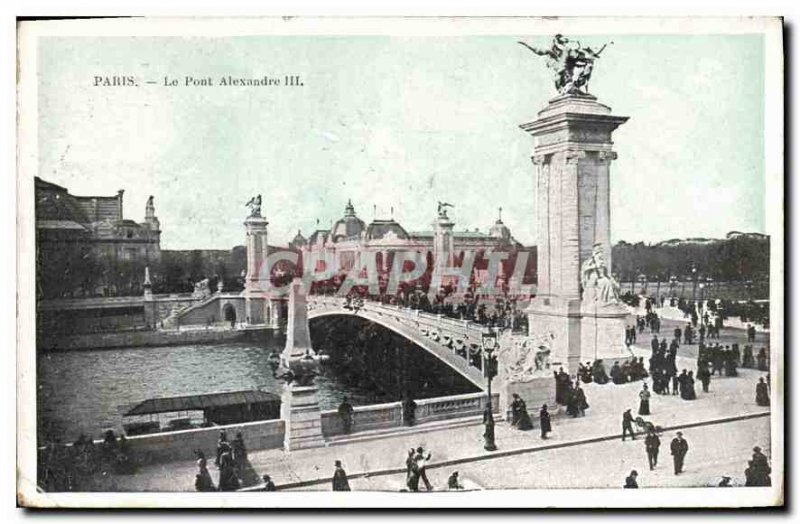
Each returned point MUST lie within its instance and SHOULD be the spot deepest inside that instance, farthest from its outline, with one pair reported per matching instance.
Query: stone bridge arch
(450, 341)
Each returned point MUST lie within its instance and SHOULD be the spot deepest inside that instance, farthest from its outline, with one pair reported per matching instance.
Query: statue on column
(598, 286)
(572, 63)
(255, 206)
(442, 208)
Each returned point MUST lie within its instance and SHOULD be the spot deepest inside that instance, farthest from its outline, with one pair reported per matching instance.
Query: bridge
(457, 343)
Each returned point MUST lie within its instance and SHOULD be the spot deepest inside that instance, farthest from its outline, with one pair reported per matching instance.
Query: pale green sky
(397, 121)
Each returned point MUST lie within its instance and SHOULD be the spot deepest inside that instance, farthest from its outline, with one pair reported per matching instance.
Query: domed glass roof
(349, 226)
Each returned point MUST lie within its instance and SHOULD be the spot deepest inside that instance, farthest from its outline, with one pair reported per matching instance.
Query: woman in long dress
(520, 418)
(644, 401)
(544, 421)
(762, 393)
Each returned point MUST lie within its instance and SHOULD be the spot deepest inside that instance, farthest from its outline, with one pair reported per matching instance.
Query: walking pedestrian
(221, 442)
(678, 448)
(421, 462)
(239, 453)
(580, 399)
(651, 444)
(762, 393)
(544, 421)
(644, 400)
(627, 425)
(339, 480)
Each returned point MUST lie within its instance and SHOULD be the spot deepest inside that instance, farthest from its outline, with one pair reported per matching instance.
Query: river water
(82, 391)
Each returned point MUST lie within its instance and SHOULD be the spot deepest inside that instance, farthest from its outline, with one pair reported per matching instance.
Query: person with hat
(421, 461)
(627, 425)
(644, 400)
(346, 415)
(339, 480)
(762, 393)
(725, 482)
(268, 484)
(651, 445)
(760, 468)
(520, 418)
(453, 483)
(630, 480)
(678, 448)
(544, 421)
(223, 441)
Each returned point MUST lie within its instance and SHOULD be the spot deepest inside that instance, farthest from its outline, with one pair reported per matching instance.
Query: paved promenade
(573, 447)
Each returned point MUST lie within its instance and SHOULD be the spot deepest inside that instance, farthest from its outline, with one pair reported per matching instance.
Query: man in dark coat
(268, 484)
(599, 375)
(677, 333)
(346, 414)
(409, 411)
(420, 462)
(544, 421)
(617, 377)
(654, 344)
(762, 393)
(228, 481)
(562, 386)
(678, 448)
(687, 334)
(339, 480)
(630, 480)
(760, 468)
(627, 425)
(704, 375)
(651, 445)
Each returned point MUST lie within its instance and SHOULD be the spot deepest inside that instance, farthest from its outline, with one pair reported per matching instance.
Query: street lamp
(643, 282)
(694, 284)
(489, 343)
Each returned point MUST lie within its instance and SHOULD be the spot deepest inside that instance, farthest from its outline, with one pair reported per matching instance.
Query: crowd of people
(231, 461)
(71, 467)
(501, 311)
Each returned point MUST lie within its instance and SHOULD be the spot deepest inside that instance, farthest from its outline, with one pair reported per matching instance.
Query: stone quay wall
(180, 445)
(141, 338)
(171, 446)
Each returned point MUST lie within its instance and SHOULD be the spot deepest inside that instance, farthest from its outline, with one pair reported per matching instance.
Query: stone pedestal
(572, 155)
(603, 334)
(300, 410)
(535, 392)
(300, 402)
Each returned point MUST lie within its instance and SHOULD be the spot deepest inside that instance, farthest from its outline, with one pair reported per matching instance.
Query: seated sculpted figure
(598, 285)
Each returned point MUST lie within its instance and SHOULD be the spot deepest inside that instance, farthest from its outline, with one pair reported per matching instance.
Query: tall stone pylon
(256, 282)
(573, 154)
(300, 400)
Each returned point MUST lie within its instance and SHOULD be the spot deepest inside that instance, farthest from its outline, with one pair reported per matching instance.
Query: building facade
(85, 247)
(351, 242)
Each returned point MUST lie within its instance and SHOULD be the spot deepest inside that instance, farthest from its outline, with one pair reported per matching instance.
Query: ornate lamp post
(694, 283)
(489, 343)
(643, 282)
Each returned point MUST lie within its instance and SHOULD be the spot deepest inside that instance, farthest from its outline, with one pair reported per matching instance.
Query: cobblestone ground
(717, 450)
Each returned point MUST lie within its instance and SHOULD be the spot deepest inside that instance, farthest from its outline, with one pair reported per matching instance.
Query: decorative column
(572, 154)
(256, 280)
